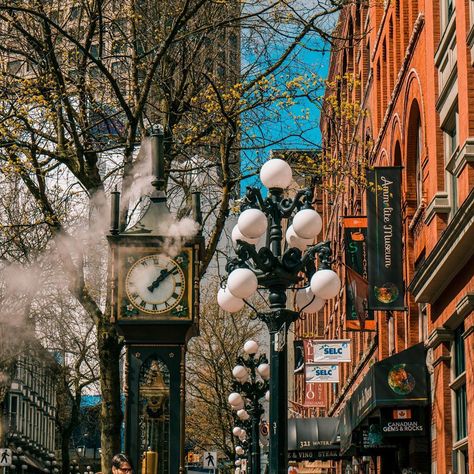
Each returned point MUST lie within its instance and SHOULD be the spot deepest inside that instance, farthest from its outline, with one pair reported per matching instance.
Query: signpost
(5, 457)
(209, 460)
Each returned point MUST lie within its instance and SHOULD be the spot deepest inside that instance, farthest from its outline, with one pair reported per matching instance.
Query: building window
(423, 322)
(459, 385)
(447, 11)
(13, 413)
(419, 168)
(450, 132)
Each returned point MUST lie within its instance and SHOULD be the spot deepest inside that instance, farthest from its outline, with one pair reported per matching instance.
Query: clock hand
(163, 274)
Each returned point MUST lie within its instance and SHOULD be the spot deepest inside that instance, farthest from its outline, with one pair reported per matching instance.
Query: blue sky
(276, 126)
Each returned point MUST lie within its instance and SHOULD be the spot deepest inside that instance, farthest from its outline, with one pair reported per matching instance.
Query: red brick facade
(409, 63)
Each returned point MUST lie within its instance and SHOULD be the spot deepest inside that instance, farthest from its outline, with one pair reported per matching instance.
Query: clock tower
(154, 289)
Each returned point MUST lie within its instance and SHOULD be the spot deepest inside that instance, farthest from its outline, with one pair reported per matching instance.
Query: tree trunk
(65, 460)
(111, 410)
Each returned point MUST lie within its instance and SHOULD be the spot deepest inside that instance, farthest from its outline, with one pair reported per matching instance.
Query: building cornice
(450, 254)
(438, 336)
(459, 160)
(439, 205)
(417, 28)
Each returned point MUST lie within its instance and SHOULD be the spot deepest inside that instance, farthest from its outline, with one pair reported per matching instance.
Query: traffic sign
(5, 457)
(209, 459)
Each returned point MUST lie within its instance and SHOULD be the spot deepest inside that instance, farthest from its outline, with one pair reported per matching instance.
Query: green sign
(358, 316)
(384, 238)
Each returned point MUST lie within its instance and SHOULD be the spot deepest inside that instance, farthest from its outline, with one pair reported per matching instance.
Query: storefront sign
(315, 395)
(358, 316)
(408, 422)
(315, 455)
(398, 384)
(330, 351)
(384, 238)
(322, 373)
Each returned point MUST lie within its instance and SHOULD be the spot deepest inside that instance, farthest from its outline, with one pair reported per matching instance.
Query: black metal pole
(278, 459)
(255, 446)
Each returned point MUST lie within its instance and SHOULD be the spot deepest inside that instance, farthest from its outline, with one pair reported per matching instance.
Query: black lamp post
(251, 374)
(274, 269)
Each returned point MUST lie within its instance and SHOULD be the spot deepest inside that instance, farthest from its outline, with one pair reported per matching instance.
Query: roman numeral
(142, 304)
(144, 263)
(174, 271)
(175, 295)
(178, 284)
(135, 295)
(155, 307)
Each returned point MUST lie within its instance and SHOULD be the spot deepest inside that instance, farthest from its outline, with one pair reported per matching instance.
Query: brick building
(405, 71)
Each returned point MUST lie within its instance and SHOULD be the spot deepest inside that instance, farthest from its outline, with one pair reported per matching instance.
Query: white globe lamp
(250, 347)
(242, 283)
(243, 414)
(228, 302)
(235, 399)
(276, 173)
(236, 431)
(238, 462)
(294, 240)
(325, 284)
(239, 450)
(252, 223)
(240, 373)
(264, 371)
(307, 302)
(307, 223)
(237, 235)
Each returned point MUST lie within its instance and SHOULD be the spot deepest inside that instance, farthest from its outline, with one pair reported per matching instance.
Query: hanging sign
(315, 395)
(358, 316)
(322, 373)
(298, 347)
(330, 351)
(384, 237)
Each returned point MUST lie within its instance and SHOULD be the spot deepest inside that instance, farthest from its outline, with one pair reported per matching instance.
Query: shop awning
(398, 381)
(313, 438)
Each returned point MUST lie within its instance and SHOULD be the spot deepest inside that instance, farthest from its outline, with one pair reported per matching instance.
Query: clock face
(155, 284)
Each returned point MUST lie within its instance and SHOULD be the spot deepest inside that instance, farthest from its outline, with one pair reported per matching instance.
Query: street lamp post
(274, 269)
(251, 380)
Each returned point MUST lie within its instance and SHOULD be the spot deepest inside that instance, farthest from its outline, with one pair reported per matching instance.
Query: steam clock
(155, 304)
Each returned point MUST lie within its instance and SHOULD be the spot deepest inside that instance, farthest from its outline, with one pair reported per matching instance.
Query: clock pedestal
(154, 288)
(154, 415)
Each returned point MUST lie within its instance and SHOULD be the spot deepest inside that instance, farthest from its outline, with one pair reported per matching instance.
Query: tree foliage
(81, 82)
(210, 360)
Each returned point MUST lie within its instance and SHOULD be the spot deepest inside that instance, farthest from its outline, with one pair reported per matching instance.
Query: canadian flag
(402, 414)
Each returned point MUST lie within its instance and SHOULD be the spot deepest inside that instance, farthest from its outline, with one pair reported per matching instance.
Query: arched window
(414, 153)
